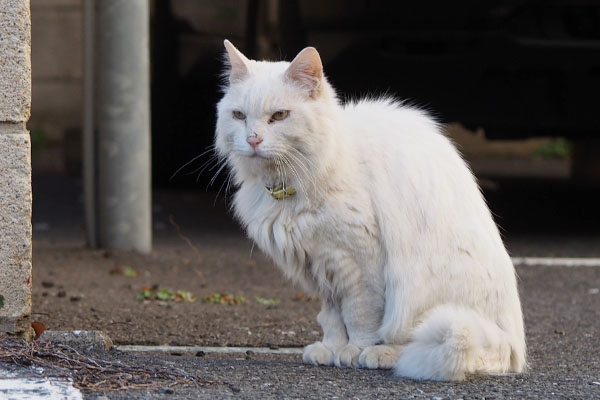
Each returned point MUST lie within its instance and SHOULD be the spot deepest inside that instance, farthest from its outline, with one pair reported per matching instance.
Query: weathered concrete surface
(15, 168)
(15, 62)
(15, 230)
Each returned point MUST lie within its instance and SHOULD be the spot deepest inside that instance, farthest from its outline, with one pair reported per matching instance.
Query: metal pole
(122, 121)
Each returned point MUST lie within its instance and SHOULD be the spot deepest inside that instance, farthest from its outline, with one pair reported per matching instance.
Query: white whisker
(209, 149)
(305, 169)
(216, 174)
(205, 165)
(296, 174)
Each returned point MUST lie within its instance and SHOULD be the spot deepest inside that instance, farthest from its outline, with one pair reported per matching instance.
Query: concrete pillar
(15, 167)
(117, 143)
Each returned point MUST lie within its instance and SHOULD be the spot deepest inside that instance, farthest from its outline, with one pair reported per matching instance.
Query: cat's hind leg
(453, 341)
(334, 336)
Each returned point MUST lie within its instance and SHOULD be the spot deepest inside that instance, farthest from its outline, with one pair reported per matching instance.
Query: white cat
(369, 206)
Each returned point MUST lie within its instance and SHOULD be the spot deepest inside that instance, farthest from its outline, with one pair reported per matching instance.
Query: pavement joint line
(557, 261)
(208, 349)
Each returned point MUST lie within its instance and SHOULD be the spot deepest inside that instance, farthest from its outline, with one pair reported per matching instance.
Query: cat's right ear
(238, 63)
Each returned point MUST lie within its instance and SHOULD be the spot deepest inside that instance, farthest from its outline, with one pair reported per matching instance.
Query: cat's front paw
(347, 356)
(317, 354)
(379, 357)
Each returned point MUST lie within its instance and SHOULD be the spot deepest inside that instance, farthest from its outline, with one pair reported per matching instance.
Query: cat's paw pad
(317, 354)
(347, 356)
(379, 357)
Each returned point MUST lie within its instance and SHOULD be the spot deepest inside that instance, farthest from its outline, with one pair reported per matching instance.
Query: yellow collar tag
(280, 192)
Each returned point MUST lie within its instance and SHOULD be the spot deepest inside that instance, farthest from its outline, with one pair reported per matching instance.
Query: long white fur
(388, 225)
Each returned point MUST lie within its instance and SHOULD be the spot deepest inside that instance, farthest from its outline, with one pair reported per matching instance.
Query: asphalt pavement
(562, 314)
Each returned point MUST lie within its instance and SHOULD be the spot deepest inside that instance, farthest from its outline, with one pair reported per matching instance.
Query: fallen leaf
(302, 296)
(185, 296)
(266, 302)
(224, 298)
(38, 328)
(130, 272)
(115, 271)
(164, 294)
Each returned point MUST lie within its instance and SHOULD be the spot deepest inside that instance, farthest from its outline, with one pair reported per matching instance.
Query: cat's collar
(280, 191)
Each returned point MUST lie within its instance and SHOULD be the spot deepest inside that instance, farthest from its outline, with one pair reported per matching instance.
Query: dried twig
(92, 374)
(181, 235)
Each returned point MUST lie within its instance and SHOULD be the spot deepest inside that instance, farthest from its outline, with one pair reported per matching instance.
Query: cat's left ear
(306, 70)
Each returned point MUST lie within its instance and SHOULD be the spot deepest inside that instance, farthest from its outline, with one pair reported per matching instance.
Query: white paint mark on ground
(196, 349)
(19, 388)
(556, 261)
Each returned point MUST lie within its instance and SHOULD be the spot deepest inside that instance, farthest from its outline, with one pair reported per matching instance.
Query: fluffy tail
(453, 341)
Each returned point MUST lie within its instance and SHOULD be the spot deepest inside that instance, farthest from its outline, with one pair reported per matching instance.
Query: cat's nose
(254, 141)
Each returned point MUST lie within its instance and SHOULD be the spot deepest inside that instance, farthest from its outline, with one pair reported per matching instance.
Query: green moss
(558, 148)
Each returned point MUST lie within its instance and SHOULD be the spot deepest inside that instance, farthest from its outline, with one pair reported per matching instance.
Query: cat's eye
(239, 115)
(280, 115)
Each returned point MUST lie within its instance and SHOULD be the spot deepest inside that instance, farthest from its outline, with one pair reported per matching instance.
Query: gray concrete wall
(15, 167)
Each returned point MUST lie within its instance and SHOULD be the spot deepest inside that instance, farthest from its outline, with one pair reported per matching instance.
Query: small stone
(200, 354)
(47, 284)
(61, 293)
(167, 391)
(74, 298)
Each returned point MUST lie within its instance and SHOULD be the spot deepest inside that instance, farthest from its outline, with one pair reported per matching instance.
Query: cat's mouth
(257, 154)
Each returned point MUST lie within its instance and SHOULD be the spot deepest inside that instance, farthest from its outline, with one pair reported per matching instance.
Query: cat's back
(392, 124)
(412, 169)
(391, 132)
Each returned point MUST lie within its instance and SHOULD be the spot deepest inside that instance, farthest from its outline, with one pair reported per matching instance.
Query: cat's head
(274, 120)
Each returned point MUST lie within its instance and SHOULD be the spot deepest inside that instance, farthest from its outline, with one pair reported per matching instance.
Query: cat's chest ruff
(283, 229)
(293, 232)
